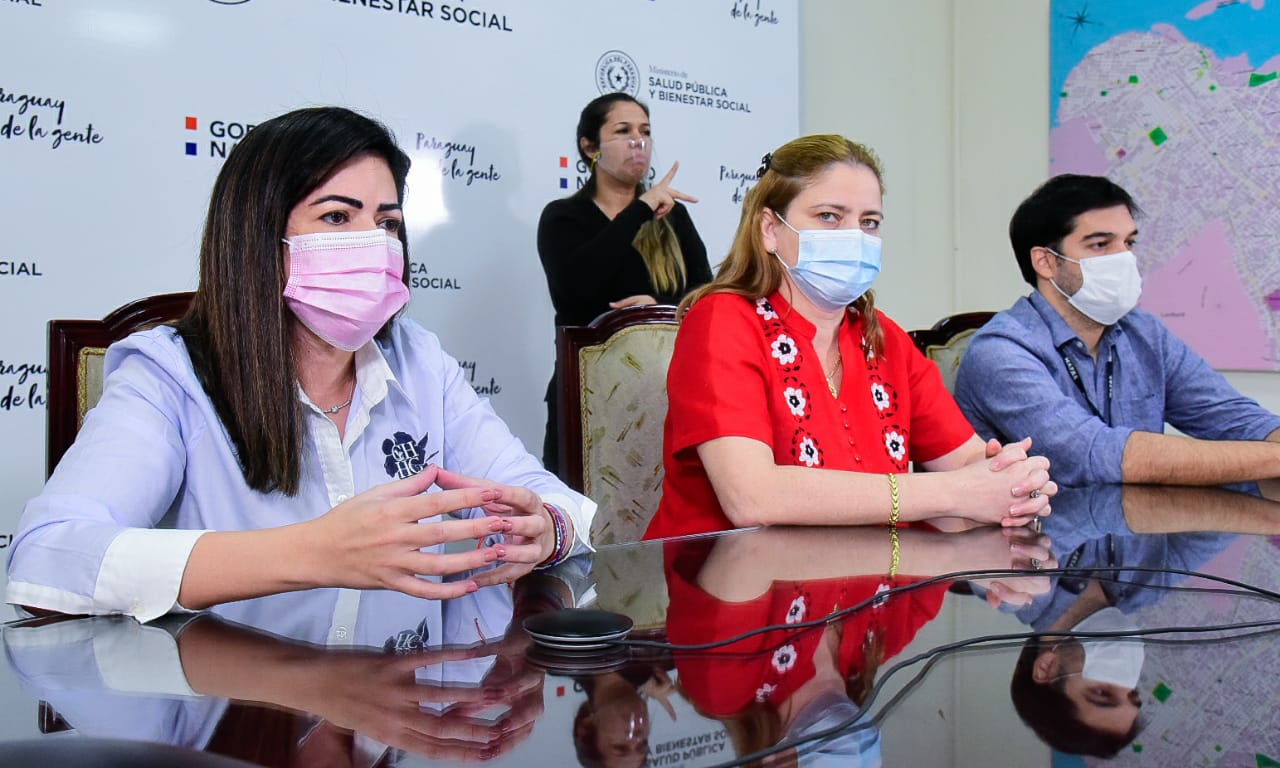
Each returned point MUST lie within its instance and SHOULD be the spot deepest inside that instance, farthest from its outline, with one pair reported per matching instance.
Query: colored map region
(1200, 701)
(1178, 101)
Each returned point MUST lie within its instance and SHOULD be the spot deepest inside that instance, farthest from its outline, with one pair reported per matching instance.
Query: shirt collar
(1059, 331)
(374, 379)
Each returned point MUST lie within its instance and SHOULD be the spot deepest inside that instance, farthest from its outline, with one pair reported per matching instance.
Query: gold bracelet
(894, 509)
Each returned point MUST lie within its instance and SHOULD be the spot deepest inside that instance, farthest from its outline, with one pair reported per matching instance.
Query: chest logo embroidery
(405, 456)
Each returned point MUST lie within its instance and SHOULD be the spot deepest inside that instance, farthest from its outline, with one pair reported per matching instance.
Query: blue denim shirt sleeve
(1011, 385)
(1200, 402)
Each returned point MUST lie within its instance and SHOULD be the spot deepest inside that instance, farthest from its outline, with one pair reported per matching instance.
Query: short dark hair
(237, 330)
(1045, 708)
(1049, 214)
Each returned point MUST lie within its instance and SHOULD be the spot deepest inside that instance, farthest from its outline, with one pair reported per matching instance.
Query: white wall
(953, 95)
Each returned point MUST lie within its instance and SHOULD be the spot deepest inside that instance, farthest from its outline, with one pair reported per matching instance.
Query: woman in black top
(614, 243)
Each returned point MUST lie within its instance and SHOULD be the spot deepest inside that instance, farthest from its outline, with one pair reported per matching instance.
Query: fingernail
(497, 525)
(472, 586)
(490, 494)
(508, 526)
(490, 555)
(502, 552)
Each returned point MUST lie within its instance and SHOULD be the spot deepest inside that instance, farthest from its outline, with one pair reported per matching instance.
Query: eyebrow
(1105, 235)
(354, 203)
(845, 209)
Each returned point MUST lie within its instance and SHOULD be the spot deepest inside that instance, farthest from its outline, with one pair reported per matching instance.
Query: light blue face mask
(834, 266)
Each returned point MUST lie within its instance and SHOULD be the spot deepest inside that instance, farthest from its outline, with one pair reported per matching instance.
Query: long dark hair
(656, 241)
(238, 329)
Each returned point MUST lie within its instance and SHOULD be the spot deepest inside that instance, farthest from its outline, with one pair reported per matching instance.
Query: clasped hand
(1017, 476)
(374, 540)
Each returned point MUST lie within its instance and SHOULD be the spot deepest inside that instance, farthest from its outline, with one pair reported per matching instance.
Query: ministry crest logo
(616, 72)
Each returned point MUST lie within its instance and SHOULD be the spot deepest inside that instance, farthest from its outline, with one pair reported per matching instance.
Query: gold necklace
(834, 370)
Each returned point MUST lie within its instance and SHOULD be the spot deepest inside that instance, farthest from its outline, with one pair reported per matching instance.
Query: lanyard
(1111, 383)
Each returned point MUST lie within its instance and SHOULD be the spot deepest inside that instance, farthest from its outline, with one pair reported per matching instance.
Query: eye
(336, 218)
(1130, 243)
(870, 225)
(828, 217)
(391, 225)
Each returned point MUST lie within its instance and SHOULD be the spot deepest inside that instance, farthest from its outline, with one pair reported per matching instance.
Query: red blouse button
(846, 425)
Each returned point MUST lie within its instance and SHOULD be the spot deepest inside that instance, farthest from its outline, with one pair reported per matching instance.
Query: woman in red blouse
(783, 365)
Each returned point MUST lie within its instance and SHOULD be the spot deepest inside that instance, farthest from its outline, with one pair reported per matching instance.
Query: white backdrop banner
(115, 116)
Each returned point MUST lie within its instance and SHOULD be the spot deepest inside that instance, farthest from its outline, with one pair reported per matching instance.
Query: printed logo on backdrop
(484, 389)
(616, 72)
(38, 118)
(737, 181)
(581, 172)
(456, 15)
(22, 386)
(460, 162)
(229, 2)
(216, 139)
(753, 12)
(676, 86)
(30, 3)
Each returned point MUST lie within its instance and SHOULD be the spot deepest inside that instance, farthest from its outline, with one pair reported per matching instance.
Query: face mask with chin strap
(1110, 286)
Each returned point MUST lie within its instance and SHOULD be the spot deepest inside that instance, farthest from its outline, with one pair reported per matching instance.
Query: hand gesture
(372, 541)
(662, 197)
(1008, 487)
(529, 537)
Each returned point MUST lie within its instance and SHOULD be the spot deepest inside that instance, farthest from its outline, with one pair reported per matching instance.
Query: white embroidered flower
(795, 400)
(881, 597)
(896, 444)
(784, 349)
(880, 396)
(809, 454)
(765, 309)
(784, 659)
(795, 614)
(764, 692)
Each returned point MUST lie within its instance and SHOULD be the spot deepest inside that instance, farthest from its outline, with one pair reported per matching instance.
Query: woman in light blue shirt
(291, 431)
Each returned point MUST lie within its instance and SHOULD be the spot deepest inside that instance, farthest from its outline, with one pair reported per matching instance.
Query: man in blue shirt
(1092, 379)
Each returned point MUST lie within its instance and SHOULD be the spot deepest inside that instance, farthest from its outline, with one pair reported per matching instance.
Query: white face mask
(1117, 661)
(1110, 286)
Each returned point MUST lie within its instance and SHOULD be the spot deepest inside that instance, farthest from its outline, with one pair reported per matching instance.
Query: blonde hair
(749, 270)
(660, 248)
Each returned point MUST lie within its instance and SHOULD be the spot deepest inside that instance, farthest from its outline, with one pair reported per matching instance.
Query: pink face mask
(344, 286)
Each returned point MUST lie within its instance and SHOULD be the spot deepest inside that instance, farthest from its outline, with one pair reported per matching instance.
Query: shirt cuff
(581, 513)
(141, 572)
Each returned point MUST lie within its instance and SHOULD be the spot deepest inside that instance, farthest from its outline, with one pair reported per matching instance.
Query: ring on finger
(1035, 494)
(1035, 564)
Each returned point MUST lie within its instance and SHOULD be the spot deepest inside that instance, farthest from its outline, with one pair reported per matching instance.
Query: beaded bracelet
(894, 509)
(564, 542)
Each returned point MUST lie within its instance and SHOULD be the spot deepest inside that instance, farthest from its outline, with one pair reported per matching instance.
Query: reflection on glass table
(374, 678)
